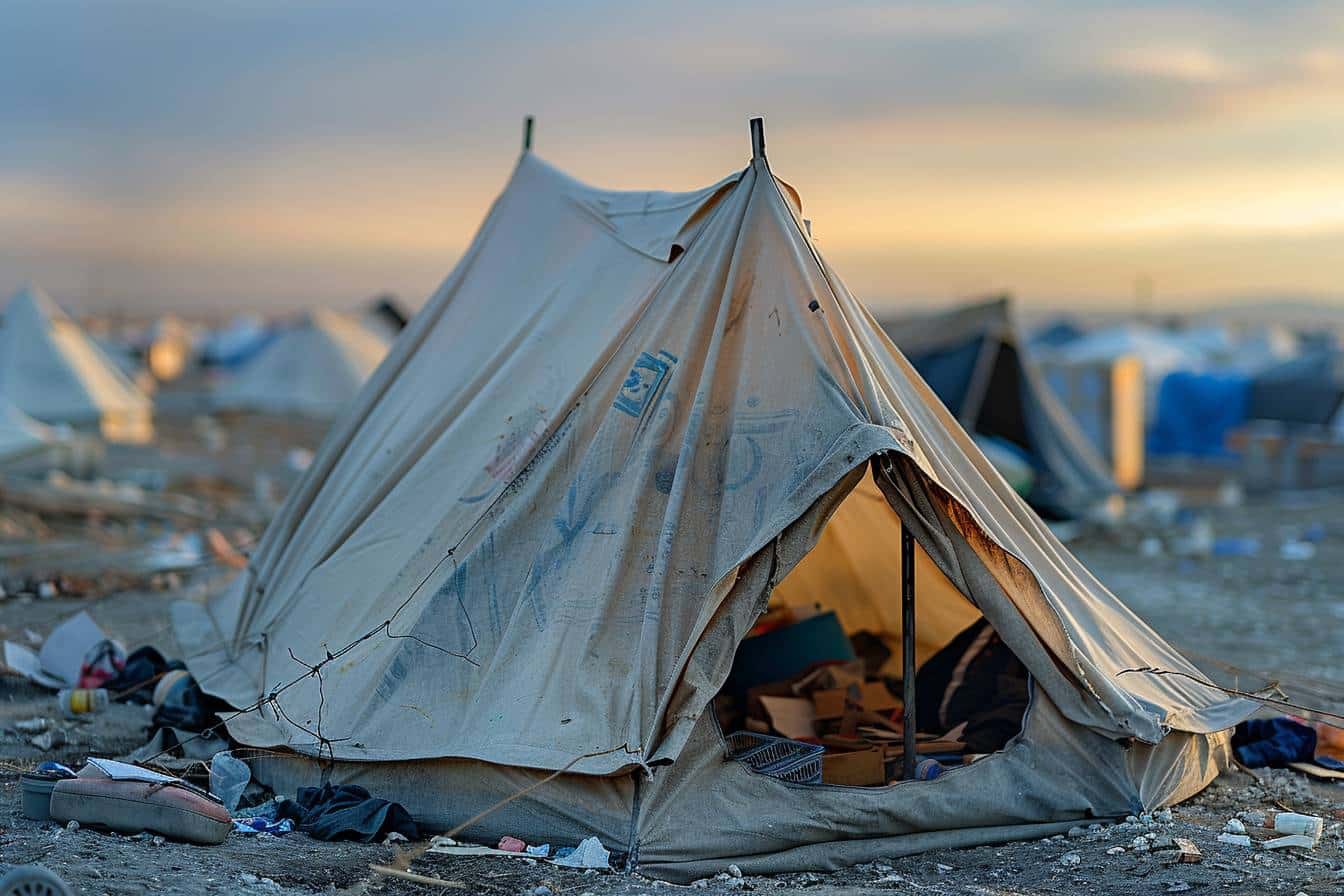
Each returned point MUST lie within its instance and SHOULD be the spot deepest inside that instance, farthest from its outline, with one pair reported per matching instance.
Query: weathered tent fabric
(52, 371)
(314, 368)
(976, 361)
(537, 537)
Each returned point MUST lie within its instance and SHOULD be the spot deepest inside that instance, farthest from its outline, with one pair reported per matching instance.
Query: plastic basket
(778, 757)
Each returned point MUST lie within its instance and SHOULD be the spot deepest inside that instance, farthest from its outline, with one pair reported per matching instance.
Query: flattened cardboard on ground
(874, 696)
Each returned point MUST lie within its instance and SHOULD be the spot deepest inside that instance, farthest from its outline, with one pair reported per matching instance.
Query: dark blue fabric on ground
(348, 812)
(1195, 411)
(1273, 742)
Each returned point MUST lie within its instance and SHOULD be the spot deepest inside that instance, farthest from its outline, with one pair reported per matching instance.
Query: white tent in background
(21, 435)
(313, 368)
(53, 371)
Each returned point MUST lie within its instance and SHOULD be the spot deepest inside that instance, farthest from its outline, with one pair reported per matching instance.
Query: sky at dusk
(270, 155)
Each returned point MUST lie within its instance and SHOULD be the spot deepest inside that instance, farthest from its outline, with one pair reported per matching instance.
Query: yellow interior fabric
(855, 570)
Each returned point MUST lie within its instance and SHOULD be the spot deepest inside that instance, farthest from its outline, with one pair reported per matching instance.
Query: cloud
(166, 135)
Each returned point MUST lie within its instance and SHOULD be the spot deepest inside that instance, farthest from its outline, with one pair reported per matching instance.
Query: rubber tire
(33, 880)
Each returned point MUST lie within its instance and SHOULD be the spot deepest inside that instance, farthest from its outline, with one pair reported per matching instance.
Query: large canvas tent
(975, 360)
(314, 368)
(53, 371)
(536, 539)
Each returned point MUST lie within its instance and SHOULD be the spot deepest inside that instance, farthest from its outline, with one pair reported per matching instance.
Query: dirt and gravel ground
(1263, 612)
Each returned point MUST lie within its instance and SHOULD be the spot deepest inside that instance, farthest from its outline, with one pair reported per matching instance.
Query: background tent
(313, 368)
(54, 372)
(536, 539)
(237, 342)
(976, 362)
(1306, 391)
(21, 435)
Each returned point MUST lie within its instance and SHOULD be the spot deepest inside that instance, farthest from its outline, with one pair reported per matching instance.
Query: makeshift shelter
(536, 539)
(314, 368)
(53, 371)
(976, 361)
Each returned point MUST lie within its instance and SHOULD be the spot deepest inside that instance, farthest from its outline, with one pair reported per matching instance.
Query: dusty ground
(1263, 612)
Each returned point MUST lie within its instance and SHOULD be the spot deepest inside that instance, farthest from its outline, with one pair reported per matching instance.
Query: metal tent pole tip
(758, 138)
(527, 134)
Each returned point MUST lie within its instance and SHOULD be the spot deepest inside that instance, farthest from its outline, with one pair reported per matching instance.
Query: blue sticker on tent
(641, 387)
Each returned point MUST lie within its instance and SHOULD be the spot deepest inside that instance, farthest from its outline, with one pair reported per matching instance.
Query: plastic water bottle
(78, 701)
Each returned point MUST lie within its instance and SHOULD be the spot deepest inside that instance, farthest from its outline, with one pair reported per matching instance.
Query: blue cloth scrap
(1275, 742)
(259, 824)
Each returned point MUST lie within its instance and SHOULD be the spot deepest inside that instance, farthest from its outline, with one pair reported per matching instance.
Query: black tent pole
(908, 649)
(527, 134)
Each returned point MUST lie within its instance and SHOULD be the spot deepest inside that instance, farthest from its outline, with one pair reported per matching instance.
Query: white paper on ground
(124, 771)
(23, 661)
(62, 654)
(792, 717)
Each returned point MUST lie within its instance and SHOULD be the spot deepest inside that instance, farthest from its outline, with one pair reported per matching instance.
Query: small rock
(1077, 832)
(394, 837)
(1145, 819)
(944, 869)
(49, 740)
(159, 841)
(72, 825)
(1115, 851)
(1070, 860)
(1163, 816)
(734, 871)
(1140, 844)
(1253, 817)
(1234, 826)
(1163, 841)
(1179, 886)
(1131, 819)
(541, 891)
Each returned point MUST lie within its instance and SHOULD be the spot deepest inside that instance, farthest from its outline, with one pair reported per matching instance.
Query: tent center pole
(527, 134)
(910, 757)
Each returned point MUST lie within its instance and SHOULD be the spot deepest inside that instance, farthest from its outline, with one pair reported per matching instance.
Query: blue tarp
(1195, 411)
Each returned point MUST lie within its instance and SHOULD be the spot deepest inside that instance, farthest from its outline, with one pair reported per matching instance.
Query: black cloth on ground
(347, 812)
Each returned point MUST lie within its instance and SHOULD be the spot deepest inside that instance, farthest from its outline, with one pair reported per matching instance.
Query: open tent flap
(821, 668)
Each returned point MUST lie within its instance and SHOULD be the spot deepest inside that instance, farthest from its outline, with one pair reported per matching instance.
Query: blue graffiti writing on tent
(576, 514)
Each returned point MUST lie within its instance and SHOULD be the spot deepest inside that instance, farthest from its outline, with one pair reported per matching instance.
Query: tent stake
(527, 134)
(908, 651)
(758, 138)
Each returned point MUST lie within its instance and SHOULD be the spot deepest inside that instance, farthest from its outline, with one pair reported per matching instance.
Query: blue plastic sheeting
(1195, 411)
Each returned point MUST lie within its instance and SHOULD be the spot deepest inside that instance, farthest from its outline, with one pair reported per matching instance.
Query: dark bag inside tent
(815, 695)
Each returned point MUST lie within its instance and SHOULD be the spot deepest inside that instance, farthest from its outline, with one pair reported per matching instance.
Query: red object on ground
(512, 844)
